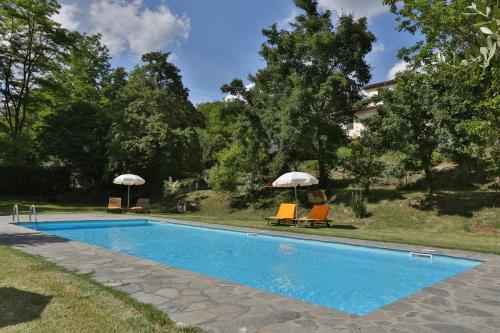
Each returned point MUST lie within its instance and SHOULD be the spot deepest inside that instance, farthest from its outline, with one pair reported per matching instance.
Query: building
(354, 129)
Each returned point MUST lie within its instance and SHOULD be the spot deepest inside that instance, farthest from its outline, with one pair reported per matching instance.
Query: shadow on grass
(374, 196)
(19, 306)
(343, 226)
(459, 203)
(457, 178)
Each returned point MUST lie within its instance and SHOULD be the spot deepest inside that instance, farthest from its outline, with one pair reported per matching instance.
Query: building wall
(356, 127)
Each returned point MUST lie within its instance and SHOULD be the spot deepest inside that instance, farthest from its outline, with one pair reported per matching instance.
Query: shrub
(395, 167)
(358, 204)
(36, 180)
(361, 161)
(250, 187)
(172, 190)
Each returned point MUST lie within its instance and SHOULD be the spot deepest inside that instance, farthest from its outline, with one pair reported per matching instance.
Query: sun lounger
(286, 214)
(317, 216)
(115, 205)
(142, 206)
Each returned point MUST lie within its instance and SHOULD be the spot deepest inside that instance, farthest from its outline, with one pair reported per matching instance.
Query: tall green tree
(313, 77)
(458, 30)
(30, 46)
(85, 71)
(408, 124)
(242, 161)
(216, 132)
(446, 26)
(113, 91)
(76, 136)
(361, 158)
(422, 117)
(73, 130)
(155, 134)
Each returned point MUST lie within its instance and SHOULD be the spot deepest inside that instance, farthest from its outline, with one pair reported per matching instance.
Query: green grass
(394, 216)
(38, 296)
(6, 204)
(400, 217)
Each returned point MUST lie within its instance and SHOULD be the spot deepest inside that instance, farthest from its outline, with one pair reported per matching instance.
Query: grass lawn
(395, 216)
(6, 204)
(38, 296)
(400, 217)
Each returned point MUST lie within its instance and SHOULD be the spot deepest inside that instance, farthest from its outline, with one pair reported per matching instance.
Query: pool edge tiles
(349, 308)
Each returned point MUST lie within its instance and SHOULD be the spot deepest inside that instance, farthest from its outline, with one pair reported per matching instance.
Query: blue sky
(214, 41)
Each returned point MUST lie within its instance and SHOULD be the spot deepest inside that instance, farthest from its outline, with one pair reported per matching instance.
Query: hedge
(34, 180)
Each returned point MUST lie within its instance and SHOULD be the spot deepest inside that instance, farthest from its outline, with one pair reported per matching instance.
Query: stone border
(468, 302)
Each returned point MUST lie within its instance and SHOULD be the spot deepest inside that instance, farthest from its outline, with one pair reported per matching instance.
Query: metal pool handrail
(15, 213)
(33, 212)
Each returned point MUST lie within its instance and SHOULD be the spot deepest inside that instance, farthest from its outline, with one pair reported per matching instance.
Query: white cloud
(172, 57)
(368, 8)
(126, 25)
(398, 67)
(284, 23)
(378, 48)
(67, 16)
(231, 97)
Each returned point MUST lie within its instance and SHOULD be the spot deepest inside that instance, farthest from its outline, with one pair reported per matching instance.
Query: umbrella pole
(128, 198)
(296, 203)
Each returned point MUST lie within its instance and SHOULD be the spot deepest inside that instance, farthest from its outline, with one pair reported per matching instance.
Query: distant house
(354, 129)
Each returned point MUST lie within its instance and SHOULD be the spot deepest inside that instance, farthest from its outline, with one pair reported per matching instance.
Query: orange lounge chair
(142, 206)
(286, 214)
(115, 205)
(318, 215)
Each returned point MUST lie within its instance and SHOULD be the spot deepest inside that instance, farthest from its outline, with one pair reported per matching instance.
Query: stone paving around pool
(466, 303)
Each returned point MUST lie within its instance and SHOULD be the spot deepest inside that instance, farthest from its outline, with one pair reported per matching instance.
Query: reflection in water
(286, 249)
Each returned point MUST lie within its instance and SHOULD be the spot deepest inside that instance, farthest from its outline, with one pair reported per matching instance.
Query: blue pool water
(354, 279)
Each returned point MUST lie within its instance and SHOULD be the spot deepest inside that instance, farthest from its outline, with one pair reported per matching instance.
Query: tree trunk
(429, 180)
(323, 173)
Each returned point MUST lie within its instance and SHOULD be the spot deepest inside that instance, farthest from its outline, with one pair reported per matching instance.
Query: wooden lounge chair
(318, 215)
(286, 214)
(142, 206)
(115, 205)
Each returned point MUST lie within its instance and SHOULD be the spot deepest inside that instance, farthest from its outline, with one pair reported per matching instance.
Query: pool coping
(468, 302)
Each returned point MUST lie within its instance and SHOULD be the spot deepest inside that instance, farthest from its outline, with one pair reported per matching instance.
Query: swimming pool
(349, 278)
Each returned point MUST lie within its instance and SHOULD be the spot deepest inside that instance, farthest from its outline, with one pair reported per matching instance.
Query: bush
(250, 187)
(34, 180)
(172, 191)
(395, 167)
(361, 162)
(358, 204)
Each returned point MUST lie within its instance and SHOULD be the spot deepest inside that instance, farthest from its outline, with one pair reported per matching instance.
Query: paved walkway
(467, 303)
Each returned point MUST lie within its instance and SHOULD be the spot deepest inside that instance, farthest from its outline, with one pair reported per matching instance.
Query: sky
(215, 41)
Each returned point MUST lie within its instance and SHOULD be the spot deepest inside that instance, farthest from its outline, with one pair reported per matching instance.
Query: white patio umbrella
(129, 180)
(294, 179)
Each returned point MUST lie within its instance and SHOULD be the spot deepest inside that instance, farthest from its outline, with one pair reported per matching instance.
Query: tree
(313, 76)
(445, 28)
(113, 91)
(76, 136)
(217, 131)
(30, 46)
(85, 71)
(75, 119)
(461, 33)
(242, 162)
(486, 48)
(155, 135)
(408, 122)
(361, 159)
